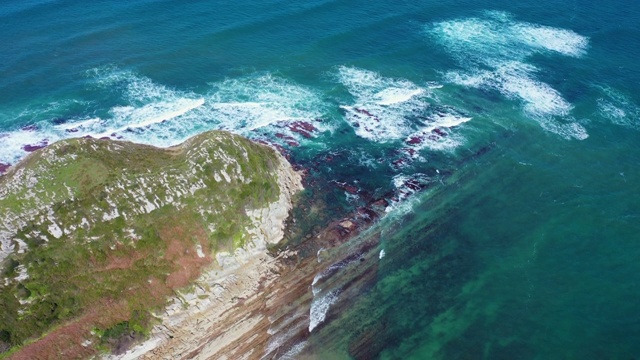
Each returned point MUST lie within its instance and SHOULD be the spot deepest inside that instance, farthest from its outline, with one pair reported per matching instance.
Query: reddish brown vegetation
(181, 252)
(65, 342)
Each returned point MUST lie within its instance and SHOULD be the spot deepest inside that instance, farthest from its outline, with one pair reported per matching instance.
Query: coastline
(265, 304)
(259, 305)
(253, 304)
(264, 226)
(193, 319)
(468, 176)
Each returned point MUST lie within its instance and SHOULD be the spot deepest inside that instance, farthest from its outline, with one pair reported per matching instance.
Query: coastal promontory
(97, 235)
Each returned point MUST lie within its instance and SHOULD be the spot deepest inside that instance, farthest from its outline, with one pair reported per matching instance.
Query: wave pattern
(256, 106)
(493, 51)
(386, 109)
(618, 108)
(154, 114)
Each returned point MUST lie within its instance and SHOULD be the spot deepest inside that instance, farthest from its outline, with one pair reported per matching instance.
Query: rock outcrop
(95, 235)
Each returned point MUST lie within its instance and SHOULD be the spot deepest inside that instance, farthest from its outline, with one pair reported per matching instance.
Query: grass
(137, 258)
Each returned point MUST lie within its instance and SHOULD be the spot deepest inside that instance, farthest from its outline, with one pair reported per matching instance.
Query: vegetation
(104, 231)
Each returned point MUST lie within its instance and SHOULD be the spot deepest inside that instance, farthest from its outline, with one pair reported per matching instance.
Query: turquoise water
(521, 120)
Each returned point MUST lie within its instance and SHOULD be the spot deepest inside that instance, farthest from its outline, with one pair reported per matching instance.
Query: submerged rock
(34, 147)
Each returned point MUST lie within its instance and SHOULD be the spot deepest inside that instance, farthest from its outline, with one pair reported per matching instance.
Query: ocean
(503, 136)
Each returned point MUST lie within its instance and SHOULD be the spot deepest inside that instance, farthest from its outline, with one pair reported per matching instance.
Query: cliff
(96, 235)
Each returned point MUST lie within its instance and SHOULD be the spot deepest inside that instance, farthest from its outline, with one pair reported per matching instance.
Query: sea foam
(494, 51)
(381, 105)
(292, 353)
(618, 108)
(151, 113)
(387, 109)
(319, 308)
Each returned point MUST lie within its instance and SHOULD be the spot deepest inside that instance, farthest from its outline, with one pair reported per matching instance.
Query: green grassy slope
(103, 231)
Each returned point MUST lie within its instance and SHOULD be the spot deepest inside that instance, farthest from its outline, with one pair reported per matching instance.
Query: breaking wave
(319, 308)
(293, 352)
(260, 106)
(386, 109)
(618, 108)
(493, 51)
(151, 113)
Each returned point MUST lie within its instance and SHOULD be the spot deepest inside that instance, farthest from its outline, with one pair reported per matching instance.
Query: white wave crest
(382, 105)
(435, 134)
(129, 117)
(572, 130)
(294, 351)
(332, 269)
(391, 96)
(406, 187)
(319, 308)
(516, 80)
(565, 42)
(253, 102)
(387, 109)
(497, 36)
(155, 114)
(494, 49)
(618, 108)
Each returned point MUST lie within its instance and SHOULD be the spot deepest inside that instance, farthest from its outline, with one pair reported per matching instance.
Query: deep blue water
(526, 251)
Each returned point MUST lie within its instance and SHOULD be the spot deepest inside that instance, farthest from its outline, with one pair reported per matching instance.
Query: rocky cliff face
(95, 234)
